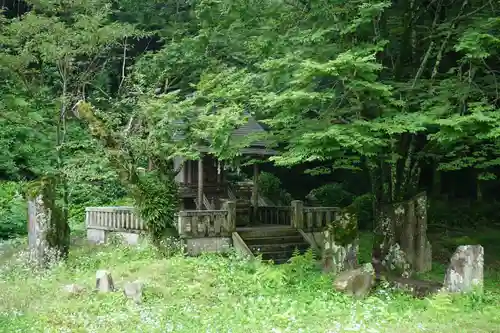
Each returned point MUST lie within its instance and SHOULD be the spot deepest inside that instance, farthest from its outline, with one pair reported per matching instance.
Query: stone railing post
(180, 223)
(297, 214)
(230, 223)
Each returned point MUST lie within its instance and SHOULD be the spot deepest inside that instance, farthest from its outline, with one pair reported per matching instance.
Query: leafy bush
(271, 187)
(331, 195)
(13, 210)
(363, 206)
(96, 186)
(334, 195)
(156, 197)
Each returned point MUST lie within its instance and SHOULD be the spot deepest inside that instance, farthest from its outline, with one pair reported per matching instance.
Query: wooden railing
(230, 193)
(311, 219)
(113, 219)
(216, 223)
(207, 223)
(208, 205)
(317, 218)
(279, 215)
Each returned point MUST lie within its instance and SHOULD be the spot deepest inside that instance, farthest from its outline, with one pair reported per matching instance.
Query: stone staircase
(276, 243)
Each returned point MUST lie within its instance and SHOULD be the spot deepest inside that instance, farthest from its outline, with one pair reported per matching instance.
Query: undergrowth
(212, 293)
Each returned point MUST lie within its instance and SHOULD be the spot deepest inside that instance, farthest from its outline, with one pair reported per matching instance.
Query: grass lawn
(216, 294)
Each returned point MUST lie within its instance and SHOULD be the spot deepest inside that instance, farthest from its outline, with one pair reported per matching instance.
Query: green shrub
(271, 187)
(155, 196)
(363, 206)
(13, 210)
(331, 195)
(269, 184)
(86, 192)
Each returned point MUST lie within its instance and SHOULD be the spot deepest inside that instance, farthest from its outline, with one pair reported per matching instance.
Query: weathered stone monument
(466, 270)
(133, 291)
(402, 245)
(104, 281)
(340, 243)
(356, 282)
(48, 229)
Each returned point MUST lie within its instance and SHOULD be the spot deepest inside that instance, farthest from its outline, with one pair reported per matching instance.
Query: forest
(367, 102)
(379, 98)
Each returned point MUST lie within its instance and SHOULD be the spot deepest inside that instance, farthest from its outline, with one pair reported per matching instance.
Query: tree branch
(124, 63)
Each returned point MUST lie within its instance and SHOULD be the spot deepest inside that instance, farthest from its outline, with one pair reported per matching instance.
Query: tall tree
(56, 52)
(361, 85)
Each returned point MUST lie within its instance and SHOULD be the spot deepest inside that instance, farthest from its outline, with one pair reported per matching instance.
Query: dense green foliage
(404, 92)
(13, 210)
(271, 187)
(384, 97)
(331, 195)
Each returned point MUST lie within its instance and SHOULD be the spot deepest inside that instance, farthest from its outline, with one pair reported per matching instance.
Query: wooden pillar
(178, 162)
(219, 172)
(255, 193)
(200, 183)
(255, 188)
(189, 171)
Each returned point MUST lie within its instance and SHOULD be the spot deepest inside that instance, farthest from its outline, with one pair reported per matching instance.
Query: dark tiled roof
(249, 128)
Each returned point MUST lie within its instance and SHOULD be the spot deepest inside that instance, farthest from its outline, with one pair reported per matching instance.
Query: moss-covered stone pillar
(340, 248)
(401, 243)
(48, 229)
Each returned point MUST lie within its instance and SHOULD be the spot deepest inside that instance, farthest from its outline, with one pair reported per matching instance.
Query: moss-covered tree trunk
(48, 228)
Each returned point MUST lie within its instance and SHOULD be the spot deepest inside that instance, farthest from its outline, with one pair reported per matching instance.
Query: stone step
(267, 231)
(274, 242)
(296, 239)
(277, 247)
(277, 256)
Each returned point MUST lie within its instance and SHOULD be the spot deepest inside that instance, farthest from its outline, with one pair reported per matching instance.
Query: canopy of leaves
(376, 85)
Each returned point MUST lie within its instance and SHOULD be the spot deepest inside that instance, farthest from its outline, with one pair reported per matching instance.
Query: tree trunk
(400, 226)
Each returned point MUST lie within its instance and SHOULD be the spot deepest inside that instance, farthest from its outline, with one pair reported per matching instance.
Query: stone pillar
(340, 248)
(466, 270)
(401, 243)
(230, 206)
(297, 214)
(48, 229)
